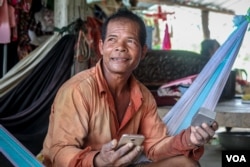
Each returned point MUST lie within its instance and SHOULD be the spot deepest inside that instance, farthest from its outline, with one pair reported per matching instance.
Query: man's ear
(101, 46)
(144, 51)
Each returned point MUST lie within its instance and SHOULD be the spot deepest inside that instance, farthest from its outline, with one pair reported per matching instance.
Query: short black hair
(207, 45)
(127, 14)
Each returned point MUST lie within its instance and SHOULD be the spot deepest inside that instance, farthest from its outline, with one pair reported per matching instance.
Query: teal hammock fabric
(15, 151)
(206, 89)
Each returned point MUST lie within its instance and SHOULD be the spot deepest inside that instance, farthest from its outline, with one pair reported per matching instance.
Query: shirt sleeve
(158, 144)
(83, 158)
(64, 143)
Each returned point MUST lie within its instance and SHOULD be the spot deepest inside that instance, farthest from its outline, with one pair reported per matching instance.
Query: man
(209, 47)
(95, 107)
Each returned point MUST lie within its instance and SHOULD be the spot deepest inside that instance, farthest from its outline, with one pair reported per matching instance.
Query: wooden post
(61, 13)
(5, 59)
(67, 11)
(204, 17)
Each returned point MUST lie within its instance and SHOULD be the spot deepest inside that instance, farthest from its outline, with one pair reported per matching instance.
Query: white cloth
(23, 68)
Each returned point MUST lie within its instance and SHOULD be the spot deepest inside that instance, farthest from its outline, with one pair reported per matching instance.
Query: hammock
(24, 67)
(206, 89)
(14, 152)
(24, 111)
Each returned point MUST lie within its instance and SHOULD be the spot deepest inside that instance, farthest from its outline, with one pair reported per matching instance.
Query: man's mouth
(120, 59)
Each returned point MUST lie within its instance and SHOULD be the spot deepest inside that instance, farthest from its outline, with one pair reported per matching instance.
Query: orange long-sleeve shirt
(83, 118)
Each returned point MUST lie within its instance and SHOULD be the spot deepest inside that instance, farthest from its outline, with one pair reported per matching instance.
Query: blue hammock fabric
(206, 89)
(15, 152)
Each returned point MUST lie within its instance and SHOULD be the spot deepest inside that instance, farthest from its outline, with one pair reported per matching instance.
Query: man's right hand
(123, 156)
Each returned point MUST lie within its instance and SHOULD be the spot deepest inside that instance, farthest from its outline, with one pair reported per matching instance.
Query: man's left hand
(200, 135)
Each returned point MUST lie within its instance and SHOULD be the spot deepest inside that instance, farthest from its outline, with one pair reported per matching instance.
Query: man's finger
(130, 156)
(110, 146)
(121, 151)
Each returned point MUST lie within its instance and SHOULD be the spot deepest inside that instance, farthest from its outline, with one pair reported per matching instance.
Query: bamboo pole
(4, 59)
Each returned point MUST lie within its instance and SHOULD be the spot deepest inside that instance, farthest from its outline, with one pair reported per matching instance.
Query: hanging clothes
(82, 53)
(94, 34)
(166, 41)
(5, 23)
(23, 26)
(46, 18)
(149, 38)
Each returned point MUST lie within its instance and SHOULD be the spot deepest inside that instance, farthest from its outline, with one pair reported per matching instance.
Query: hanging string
(68, 29)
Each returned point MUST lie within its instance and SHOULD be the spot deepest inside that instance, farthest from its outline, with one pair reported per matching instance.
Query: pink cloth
(166, 42)
(5, 32)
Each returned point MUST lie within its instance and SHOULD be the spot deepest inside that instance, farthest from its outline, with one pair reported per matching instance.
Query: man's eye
(131, 41)
(111, 39)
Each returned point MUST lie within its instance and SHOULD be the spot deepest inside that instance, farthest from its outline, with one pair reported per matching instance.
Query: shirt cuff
(84, 158)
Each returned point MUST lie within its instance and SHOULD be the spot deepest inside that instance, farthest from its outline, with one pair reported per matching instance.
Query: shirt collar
(101, 81)
(135, 93)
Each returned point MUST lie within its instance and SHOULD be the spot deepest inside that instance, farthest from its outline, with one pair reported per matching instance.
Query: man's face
(121, 49)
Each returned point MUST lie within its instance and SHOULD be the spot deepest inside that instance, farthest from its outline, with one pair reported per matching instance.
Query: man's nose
(121, 47)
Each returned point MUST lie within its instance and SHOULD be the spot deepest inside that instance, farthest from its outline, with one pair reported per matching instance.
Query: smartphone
(136, 139)
(204, 115)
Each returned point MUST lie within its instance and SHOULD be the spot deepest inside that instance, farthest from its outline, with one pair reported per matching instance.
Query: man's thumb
(113, 143)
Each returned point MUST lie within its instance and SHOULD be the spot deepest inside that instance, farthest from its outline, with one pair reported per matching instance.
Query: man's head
(208, 47)
(126, 14)
(123, 43)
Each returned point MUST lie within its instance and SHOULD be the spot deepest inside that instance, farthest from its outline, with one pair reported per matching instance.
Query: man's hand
(123, 156)
(200, 135)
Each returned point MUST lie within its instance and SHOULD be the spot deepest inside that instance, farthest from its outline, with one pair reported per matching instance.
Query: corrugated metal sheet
(224, 6)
